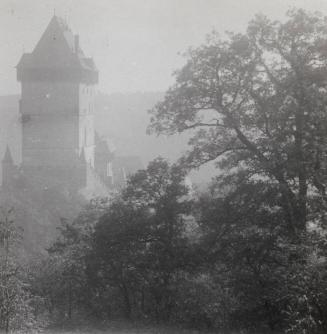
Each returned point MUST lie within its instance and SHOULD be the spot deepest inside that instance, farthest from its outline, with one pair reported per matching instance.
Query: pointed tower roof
(7, 158)
(57, 51)
(58, 34)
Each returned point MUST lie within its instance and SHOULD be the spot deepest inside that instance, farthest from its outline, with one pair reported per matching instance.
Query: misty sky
(135, 43)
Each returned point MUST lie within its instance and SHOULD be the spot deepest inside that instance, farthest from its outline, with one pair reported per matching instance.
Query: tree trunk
(70, 301)
(127, 303)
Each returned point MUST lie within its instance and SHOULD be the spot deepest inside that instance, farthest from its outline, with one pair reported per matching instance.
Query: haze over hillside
(124, 118)
(121, 118)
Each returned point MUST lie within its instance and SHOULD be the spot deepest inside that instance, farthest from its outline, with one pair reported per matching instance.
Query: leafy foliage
(140, 242)
(257, 101)
(16, 302)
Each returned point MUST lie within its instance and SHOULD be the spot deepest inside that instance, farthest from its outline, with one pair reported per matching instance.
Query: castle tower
(57, 105)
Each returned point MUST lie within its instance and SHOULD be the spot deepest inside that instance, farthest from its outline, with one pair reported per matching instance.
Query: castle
(60, 148)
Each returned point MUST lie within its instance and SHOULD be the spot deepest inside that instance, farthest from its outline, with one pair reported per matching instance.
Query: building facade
(57, 108)
(60, 148)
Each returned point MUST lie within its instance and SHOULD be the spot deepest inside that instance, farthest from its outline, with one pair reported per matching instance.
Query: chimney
(76, 43)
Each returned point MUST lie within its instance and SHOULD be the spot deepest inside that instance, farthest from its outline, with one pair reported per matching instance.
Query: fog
(206, 214)
(135, 44)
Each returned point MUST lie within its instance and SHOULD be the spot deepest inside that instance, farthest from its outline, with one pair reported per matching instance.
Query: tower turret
(57, 105)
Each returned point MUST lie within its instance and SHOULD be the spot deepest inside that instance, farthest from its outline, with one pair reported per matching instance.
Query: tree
(64, 282)
(119, 243)
(243, 241)
(140, 244)
(257, 102)
(16, 312)
(161, 189)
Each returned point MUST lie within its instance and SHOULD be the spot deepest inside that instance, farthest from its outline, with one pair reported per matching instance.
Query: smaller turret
(8, 169)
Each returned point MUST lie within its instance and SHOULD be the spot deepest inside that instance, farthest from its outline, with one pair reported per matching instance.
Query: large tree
(16, 302)
(257, 101)
(141, 243)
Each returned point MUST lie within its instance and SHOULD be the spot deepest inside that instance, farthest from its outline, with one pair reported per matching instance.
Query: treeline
(223, 260)
(248, 254)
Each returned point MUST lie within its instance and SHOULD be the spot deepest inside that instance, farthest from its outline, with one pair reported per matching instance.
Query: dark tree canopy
(140, 243)
(257, 101)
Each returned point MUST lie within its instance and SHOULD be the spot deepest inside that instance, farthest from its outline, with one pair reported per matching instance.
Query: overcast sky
(135, 43)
